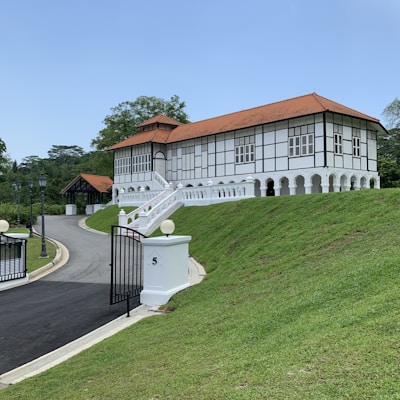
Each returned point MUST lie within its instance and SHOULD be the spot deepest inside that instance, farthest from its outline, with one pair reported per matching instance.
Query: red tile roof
(162, 119)
(155, 136)
(102, 184)
(296, 107)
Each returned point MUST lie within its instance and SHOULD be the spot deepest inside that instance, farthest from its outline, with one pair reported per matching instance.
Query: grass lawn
(301, 301)
(103, 220)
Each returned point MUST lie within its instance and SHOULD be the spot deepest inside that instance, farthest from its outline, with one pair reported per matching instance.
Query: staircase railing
(161, 205)
(148, 217)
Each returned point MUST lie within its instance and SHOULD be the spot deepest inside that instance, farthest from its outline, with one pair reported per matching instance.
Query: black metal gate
(12, 258)
(126, 266)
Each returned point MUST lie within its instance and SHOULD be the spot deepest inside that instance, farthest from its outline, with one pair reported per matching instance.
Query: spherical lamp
(167, 227)
(4, 225)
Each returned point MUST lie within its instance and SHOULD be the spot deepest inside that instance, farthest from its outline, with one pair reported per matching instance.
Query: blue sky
(64, 64)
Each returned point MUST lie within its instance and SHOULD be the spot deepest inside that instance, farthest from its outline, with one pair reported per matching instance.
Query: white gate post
(165, 269)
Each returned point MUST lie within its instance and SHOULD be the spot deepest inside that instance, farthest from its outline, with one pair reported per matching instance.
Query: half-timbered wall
(278, 150)
(350, 143)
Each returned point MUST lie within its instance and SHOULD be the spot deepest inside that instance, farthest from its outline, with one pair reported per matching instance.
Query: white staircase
(148, 217)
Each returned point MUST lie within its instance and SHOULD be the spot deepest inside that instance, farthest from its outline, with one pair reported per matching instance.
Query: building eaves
(155, 136)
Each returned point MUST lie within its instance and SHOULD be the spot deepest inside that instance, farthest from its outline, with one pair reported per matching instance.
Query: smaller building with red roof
(95, 188)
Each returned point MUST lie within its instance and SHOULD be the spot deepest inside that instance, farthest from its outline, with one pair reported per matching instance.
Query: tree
(389, 143)
(126, 116)
(389, 147)
(65, 154)
(4, 161)
(392, 114)
(389, 171)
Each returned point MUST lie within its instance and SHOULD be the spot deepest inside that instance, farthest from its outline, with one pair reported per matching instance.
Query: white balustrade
(161, 205)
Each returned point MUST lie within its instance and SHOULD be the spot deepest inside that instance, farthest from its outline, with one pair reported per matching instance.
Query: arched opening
(285, 186)
(270, 187)
(363, 183)
(332, 182)
(316, 186)
(353, 182)
(160, 163)
(343, 183)
(300, 189)
(257, 188)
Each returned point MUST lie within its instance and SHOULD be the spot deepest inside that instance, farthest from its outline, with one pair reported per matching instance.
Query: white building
(304, 145)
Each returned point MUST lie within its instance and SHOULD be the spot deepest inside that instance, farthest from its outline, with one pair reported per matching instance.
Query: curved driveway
(41, 316)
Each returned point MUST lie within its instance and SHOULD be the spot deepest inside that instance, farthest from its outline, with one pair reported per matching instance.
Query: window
(122, 166)
(141, 163)
(356, 142)
(301, 140)
(338, 138)
(244, 150)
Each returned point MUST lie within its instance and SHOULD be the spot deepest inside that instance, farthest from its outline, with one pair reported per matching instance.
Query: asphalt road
(41, 316)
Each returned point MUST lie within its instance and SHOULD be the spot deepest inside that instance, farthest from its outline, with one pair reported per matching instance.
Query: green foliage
(389, 144)
(126, 116)
(64, 164)
(389, 172)
(389, 147)
(3, 157)
(392, 113)
(300, 301)
(9, 212)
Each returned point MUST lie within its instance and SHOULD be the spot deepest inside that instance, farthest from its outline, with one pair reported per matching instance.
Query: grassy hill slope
(301, 301)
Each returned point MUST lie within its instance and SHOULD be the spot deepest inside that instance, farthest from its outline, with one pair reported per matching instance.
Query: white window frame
(301, 140)
(122, 166)
(141, 163)
(244, 150)
(356, 142)
(338, 138)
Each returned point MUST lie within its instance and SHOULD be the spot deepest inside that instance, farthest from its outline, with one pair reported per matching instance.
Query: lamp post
(17, 187)
(42, 184)
(30, 216)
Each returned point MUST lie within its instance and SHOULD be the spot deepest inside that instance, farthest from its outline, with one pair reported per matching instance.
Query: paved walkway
(55, 317)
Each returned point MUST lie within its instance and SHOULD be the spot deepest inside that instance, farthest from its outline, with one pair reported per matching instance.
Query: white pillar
(325, 188)
(89, 209)
(166, 268)
(70, 209)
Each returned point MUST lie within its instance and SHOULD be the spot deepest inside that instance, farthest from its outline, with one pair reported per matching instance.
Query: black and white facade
(299, 146)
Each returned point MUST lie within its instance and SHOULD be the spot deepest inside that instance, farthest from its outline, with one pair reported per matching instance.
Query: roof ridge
(319, 98)
(322, 100)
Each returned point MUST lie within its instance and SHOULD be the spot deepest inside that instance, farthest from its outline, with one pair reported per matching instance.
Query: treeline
(66, 162)
(63, 164)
